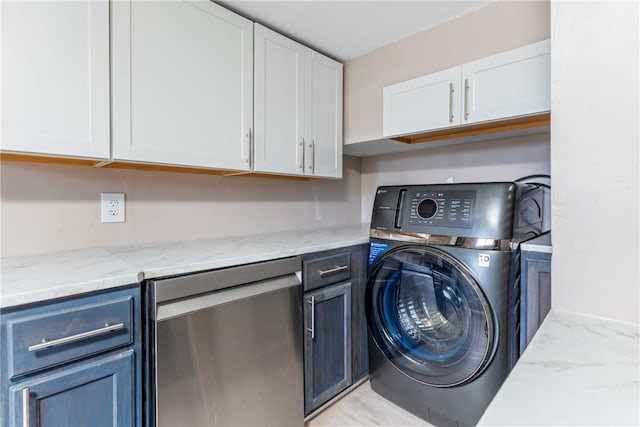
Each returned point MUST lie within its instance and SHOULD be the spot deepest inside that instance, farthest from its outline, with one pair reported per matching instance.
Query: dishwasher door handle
(170, 309)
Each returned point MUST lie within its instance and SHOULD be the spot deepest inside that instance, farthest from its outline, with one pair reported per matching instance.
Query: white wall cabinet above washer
(427, 102)
(506, 85)
(55, 78)
(513, 83)
(298, 108)
(182, 84)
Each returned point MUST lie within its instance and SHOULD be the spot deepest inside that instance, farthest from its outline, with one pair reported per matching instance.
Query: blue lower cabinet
(535, 298)
(535, 286)
(73, 362)
(327, 344)
(335, 341)
(98, 393)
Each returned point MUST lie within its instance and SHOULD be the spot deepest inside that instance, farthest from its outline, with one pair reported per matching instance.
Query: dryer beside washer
(442, 296)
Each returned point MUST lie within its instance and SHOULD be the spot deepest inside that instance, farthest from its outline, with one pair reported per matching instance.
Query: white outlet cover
(112, 207)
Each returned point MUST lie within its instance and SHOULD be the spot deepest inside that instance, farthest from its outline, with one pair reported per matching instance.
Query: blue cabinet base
(73, 362)
(97, 393)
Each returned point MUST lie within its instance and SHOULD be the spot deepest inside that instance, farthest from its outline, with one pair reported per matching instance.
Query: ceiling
(348, 29)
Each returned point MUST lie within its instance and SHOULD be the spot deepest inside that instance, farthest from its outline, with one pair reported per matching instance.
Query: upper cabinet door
(512, 83)
(55, 77)
(425, 103)
(279, 120)
(182, 84)
(323, 116)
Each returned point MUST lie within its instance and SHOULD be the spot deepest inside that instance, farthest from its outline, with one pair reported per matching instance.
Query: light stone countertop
(36, 278)
(28, 279)
(578, 370)
(539, 244)
(169, 259)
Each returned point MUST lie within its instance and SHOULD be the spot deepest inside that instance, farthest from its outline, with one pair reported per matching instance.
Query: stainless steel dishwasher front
(228, 347)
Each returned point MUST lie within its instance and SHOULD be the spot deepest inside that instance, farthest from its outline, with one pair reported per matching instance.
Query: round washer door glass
(429, 317)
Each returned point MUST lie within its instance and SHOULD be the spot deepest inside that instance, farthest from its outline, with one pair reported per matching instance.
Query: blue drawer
(57, 333)
(327, 270)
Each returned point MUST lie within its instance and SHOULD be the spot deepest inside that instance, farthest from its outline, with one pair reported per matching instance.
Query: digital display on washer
(442, 208)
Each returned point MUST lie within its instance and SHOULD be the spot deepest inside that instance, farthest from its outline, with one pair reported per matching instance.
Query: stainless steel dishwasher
(228, 347)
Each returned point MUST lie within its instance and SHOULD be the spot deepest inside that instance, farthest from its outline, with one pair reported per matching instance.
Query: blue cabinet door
(327, 344)
(535, 293)
(99, 392)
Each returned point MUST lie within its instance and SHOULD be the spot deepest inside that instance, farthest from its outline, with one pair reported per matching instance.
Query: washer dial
(427, 208)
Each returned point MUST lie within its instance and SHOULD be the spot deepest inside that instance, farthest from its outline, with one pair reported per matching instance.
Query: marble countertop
(30, 279)
(27, 279)
(168, 259)
(539, 244)
(578, 370)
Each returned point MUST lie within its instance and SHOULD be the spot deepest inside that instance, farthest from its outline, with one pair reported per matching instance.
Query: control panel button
(442, 208)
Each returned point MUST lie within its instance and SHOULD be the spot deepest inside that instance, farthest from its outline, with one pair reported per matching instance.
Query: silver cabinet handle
(301, 164)
(312, 329)
(451, 102)
(466, 99)
(248, 147)
(46, 344)
(331, 271)
(25, 407)
(313, 155)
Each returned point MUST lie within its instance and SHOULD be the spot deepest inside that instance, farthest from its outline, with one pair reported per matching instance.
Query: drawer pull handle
(331, 271)
(46, 344)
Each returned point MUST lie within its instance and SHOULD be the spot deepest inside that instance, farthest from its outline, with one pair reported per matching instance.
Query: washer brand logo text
(484, 260)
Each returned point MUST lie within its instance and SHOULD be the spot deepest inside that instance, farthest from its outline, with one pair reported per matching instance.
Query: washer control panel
(442, 208)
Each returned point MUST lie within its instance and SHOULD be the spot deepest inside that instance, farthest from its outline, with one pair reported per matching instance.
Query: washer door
(429, 317)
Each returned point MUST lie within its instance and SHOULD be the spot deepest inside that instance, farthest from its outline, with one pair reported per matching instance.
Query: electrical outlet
(112, 207)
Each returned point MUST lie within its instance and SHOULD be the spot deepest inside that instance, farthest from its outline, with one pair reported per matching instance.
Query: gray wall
(53, 207)
(498, 160)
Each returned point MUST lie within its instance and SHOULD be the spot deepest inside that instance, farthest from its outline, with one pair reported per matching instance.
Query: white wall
(497, 160)
(53, 207)
(595, 158)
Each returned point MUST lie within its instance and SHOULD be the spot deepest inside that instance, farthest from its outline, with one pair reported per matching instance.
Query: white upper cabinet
(323, 118)
(509, 84)
(182, 84)
(427, 102)
(166, 82)
(55, 78)
(298, 108)
(279, 91)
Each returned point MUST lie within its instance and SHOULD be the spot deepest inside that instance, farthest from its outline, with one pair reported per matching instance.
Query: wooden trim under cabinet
(30, 158)
(204, 171)
(518, 123)
(107, 164)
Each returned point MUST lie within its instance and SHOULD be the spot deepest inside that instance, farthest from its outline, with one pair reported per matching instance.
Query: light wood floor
(364, 407)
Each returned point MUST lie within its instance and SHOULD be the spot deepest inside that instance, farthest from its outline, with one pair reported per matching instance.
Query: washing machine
(442, 296)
